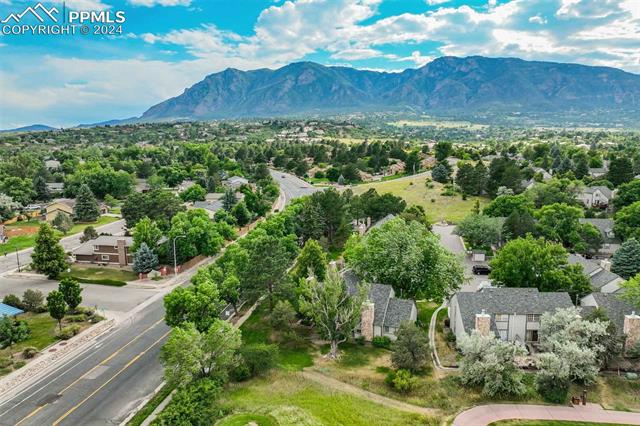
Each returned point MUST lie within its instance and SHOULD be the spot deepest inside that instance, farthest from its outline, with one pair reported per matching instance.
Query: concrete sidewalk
(485, 414)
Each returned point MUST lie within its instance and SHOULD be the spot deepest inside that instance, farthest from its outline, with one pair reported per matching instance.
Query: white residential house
(596, 196)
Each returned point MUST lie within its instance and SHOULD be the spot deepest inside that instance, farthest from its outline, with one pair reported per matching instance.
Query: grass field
(43, 333)
(27, 240)
(290, 399)
(96, 275)
(414, 191)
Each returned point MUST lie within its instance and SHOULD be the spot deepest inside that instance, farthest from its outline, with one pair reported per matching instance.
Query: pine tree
(41, 189)
(313, 260)
(241, 213)
(87, 209)
(48, 256)
(144, 260)
(626, 260)
(229, 200)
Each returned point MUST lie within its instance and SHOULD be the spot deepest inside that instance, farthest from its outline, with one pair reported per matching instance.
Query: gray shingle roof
(508, 300)
(588, 266)
(615, 308)
(389, 311)
(605, 226)
(382, 221)
(398, 310)
(102, 240)
(605, 191)
(208, 205)
(603, 278)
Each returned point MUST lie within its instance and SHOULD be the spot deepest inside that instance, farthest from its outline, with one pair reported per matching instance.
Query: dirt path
(485, 414)
(370, 396)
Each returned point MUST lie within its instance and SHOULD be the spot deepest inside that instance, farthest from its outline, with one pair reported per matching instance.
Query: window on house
(533, 317)
(96, 248)
(386, 329)
(502, 317)
(105, 257)
(532, 335)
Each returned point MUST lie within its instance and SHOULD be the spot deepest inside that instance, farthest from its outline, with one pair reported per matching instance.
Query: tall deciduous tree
(41, 189)
(146, 231)
(334, 312)
(86, 208)
(531, 262)
(480, 231)
(62, 222)
(627, 222)
(190, 354)
(197, 304)
(88, 234)
(48, 256)
(13, 331)
(193, 193)
(71, 292)
(406, 256)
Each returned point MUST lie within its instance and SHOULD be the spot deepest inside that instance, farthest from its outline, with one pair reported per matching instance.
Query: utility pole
(175, 259)
(18, 259)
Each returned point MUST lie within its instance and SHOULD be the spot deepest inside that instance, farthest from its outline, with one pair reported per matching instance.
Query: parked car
(481, 269)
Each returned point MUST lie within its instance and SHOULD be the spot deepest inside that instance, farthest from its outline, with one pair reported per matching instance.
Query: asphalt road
(100, 385)
(9, 262)
(292, 186)
(103, 384)
(102, 296)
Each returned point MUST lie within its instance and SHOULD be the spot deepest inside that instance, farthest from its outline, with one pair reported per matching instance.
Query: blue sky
(167, 45)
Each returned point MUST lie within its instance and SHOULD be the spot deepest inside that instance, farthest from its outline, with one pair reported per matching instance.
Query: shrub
(551, 389)
(411, 348)
(13, 300)
(29, 352)
(634, 351)
(77, 318)
(450, 337)
(360, 340)
(96, 318)
(254, 360)
(69, 331)
(194, 405)
(5, 362)
(283, 316)
(401, 380)
(19, 364)
(33, 300)
(381, 342)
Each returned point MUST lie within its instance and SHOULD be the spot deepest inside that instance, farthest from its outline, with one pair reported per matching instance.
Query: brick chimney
(631, 330)
(122, 253)
(366, 319)
(483, 323)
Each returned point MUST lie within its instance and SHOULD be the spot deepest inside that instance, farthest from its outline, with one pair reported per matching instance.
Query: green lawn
(548, 423)
(43, 333)
(22, 242)
(414, 191)
(101, 275)
(292, 400)
(246, 419)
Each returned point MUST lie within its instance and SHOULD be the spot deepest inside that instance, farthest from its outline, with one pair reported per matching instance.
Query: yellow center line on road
(103, 362)
(134, 359)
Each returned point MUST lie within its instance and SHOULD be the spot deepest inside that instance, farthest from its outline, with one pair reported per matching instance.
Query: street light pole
(175, 259)
(18, 259)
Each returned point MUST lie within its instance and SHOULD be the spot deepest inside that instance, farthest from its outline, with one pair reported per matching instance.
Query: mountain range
(448, 85)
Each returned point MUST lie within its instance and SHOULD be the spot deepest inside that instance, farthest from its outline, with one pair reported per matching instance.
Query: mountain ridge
(447, 84)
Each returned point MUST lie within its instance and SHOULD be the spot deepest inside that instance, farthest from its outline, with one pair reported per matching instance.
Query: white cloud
(417, 58)
(85, 5)
(537, 19)
(436, 2)
(152, 3)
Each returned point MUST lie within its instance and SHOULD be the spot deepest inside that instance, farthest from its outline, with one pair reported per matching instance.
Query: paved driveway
(452, 242)
(485, 414)
(113, 299)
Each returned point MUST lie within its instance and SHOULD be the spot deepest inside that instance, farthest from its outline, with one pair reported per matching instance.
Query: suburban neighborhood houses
(346, 285)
